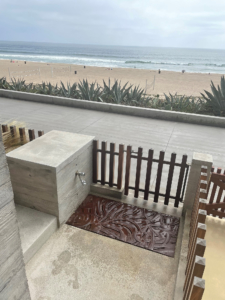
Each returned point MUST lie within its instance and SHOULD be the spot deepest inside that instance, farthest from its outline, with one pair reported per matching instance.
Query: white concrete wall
(119, 109)
(13, 281)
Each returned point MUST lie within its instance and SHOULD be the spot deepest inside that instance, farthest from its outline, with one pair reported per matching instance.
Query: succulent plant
(216, 100)
(70, 91)
(126, 95)
(182, 103)
(90, 91)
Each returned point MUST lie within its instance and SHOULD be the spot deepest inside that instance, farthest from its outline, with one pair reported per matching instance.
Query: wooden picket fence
(138, 156)
(22, 132)
(215, 194)
(194, 285)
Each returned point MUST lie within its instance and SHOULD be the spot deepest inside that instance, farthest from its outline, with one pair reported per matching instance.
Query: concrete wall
(13, 281)
(119, 109)
(198, 160)
(43, 173)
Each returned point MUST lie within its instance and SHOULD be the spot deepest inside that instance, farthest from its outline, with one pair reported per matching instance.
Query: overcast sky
(167, 23)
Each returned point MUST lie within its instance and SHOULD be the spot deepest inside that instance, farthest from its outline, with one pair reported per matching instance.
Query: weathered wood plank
(120, 167)
(138, 172)
(95, 161)
(127, 175)
(148, 174)
(31, 134)
(111, 164)
(170, 178)
(180, 180)
(159, 175)
(103, 162)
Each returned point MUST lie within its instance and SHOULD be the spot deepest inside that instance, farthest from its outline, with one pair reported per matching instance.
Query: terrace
(77, 263)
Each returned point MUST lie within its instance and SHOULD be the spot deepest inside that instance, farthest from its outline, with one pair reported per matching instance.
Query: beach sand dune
(166, 82)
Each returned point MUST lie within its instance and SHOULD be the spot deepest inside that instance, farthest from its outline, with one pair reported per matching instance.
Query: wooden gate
(215, 194)
(138, 156)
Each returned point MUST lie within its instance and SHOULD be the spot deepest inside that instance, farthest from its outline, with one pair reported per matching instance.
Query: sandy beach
(165, 82)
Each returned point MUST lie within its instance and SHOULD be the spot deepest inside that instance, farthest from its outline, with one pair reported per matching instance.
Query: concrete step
(35, 229)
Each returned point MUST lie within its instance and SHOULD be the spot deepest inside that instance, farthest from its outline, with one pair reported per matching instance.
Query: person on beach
(159, 71)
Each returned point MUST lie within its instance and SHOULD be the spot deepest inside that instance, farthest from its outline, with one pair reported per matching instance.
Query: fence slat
(13, 131)
(213, 192)
(40, 133)
(148, 173)
(31, 134)
(222, 210)
(197, 249)
(198, 231)
(180, 181)
(138, 172)
(120, 167)
(159, 176)
(127, 175)
(170, 178)
(95, 161)
(5, 128)
(197, 289)
(22, 134)
(103, 162)
(111, 164)
(198, 270)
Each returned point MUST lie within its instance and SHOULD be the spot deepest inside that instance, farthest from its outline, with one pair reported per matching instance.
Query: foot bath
(130, 224)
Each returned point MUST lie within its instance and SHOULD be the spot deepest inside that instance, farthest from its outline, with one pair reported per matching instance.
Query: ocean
(152, 58)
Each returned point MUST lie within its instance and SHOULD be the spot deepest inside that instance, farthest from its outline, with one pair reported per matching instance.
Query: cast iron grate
(130, 224)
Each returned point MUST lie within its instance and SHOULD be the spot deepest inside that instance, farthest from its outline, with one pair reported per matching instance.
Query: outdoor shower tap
(81, 174)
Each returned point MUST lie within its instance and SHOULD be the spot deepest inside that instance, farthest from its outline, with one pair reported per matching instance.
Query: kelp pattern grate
(137, 226)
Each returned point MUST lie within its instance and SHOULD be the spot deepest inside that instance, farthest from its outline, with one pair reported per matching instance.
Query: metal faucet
(81, 174)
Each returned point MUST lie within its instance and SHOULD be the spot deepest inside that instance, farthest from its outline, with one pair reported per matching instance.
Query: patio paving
(180, 138)
(78, 264)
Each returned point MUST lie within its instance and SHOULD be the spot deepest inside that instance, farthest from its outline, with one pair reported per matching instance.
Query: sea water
(152, 58)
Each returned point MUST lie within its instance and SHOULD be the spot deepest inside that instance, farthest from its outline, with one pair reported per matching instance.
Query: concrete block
(35, 229)
(106, 191)
(9, 234)
(6, 193)
(2, 155)
(13, 281)
(199, 160)
(16, 288)
(43, 173)
(178, 292)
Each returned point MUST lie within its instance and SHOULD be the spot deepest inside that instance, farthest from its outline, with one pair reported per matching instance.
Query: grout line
(91, 124)
(170, 137)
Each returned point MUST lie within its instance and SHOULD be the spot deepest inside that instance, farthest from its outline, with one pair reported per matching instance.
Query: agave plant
(18, 85)
(90, 91)
(216, 100)
(117, 94)
(70, 91)
(137, 97)
(182, 103)
(46, 89)
(3, 83)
